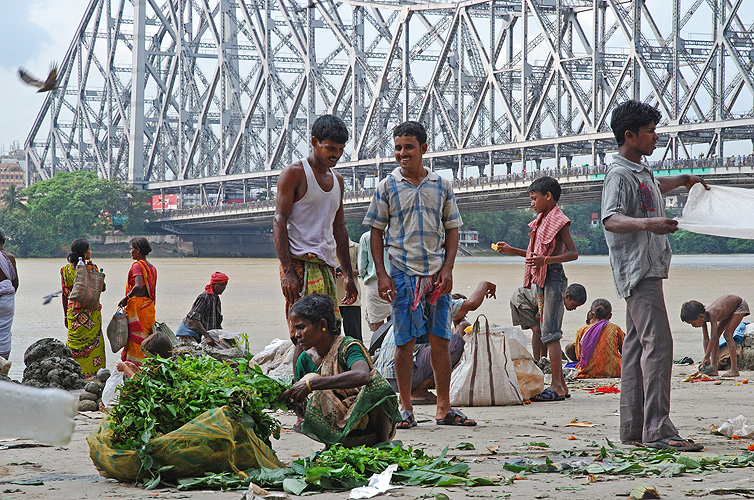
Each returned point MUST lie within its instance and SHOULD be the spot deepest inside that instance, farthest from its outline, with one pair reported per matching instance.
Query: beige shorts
(375, 308)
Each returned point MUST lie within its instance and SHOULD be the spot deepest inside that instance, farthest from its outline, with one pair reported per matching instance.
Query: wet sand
(253, 303)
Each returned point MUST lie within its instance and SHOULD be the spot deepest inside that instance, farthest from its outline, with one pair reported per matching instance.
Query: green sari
(341, 415)
(85, 339)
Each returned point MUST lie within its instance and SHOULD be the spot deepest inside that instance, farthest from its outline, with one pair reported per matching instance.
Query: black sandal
(407, 420)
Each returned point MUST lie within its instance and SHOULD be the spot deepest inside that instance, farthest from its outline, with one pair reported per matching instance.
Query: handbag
(485, 376)
(117, 330)
(87, 286)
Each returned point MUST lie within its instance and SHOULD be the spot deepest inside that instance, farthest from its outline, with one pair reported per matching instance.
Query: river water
(253, 302)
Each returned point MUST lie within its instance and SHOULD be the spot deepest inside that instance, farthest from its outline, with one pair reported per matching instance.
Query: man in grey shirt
(636, 232)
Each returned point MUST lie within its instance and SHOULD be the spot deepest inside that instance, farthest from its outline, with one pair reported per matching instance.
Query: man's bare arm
(669, 183)
(288, 183)
(385, 285)
(623, 224)
(451, 250)
(340, 233)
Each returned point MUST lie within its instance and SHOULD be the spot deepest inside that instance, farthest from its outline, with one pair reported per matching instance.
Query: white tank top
(310, 225)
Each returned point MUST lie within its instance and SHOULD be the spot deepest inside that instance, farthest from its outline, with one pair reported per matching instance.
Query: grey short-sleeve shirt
(631, 189)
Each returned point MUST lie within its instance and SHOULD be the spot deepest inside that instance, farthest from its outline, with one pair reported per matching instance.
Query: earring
(324, 329)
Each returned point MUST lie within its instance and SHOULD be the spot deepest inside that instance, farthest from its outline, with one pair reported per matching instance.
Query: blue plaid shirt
(416, 218)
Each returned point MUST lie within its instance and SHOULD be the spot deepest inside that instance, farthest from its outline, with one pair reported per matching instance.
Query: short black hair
(141, 244)
(632, 115)
(691, 310)
(78, 250)
(545, 185)
(411, 128)
(158, 344)
(2, 236)
(577, 293)
(315, 307)
(330, 127)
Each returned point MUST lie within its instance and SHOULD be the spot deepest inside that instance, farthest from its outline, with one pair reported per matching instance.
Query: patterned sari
(341, 415)
(140, 311)
(605, 360)
(85, 339)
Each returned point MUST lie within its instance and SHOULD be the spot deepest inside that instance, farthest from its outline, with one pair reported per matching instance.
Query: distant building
(468, 237)
(11, 174)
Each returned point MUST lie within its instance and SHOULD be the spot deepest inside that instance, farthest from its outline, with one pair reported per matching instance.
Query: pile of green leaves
(169, 393)
(340, 468)
(639, 462)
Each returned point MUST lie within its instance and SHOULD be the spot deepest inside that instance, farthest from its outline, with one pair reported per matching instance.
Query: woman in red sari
(139, 300)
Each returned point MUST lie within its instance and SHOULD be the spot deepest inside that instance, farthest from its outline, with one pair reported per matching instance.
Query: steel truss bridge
(211, 98)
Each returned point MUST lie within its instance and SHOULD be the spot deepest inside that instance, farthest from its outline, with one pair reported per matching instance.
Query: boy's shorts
(553, 307)
(524, 308)
(425, 319)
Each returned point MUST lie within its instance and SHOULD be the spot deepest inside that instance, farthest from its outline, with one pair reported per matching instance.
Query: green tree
(71, 205)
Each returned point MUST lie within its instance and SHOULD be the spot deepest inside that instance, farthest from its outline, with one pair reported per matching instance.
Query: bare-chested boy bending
(723, 315)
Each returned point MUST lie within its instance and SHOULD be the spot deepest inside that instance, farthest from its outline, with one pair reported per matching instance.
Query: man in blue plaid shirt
(413, 214)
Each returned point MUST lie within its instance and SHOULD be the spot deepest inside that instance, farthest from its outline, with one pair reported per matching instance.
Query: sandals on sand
(407, 420)
(664, 444)
(450, 419)
(547, 396)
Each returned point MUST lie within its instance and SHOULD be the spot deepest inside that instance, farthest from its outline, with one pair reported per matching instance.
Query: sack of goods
(151, 435)
(485, 374)
(117, 330)
(87, 286)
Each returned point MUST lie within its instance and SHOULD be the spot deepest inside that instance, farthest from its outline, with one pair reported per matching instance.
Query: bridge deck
(473, 195)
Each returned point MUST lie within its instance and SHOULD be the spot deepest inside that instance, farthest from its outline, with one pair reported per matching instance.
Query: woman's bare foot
(731, 373)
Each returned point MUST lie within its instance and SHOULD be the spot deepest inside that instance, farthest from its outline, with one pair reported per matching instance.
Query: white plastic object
(112, 387)
(378, 484)
(44, 415)
(717, 211)
(737, 427)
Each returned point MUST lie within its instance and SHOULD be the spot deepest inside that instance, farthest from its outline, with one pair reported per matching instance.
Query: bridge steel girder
(225, 91)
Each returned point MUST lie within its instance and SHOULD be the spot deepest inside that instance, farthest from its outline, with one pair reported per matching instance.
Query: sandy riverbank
(67, 473)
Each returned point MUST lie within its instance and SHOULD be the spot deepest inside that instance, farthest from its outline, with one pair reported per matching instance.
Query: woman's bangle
(309, 386)
(544, 263)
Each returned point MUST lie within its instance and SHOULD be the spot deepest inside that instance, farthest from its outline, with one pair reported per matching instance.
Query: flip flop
(407, 420)
(450, 419)
(664, 444)
(547, 396)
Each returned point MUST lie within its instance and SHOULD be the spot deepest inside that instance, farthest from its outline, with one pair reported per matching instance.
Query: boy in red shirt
(550, 245)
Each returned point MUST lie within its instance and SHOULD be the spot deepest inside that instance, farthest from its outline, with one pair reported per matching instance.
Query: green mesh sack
(215, 441)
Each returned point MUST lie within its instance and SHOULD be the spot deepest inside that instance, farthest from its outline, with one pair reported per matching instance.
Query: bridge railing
(704, 165)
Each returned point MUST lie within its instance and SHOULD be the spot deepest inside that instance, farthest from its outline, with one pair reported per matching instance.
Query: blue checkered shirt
(416, 218)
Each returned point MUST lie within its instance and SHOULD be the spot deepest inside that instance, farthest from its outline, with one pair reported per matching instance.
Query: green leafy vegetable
(169, 393)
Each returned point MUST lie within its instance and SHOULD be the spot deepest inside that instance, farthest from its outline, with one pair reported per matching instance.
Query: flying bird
(48, 298)
(51, 83)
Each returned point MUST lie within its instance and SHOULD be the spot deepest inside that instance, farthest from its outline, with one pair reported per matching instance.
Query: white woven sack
(485, 375)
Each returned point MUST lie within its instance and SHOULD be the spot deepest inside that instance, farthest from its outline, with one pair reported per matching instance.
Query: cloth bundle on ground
(215, 441)
(485, 376)
(719, 211)
(276, 359)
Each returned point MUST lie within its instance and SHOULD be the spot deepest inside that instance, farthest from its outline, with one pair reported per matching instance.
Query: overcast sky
(33, 34)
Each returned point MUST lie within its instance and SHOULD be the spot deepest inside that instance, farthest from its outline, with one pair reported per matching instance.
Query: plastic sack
(117, 330)
(215, 441)
(276, 359)
(736, 427)
(510, 332)
(718, 211)
(44, 415)
(112, 388)
(485, 375)
(531, 380)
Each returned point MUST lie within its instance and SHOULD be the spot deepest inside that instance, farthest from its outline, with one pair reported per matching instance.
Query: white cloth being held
(719, 211)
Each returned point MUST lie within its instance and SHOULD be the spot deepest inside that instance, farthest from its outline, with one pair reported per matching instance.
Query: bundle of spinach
(340, 468)
(168, 393)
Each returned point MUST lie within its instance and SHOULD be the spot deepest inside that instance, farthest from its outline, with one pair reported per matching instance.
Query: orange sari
(140, 311)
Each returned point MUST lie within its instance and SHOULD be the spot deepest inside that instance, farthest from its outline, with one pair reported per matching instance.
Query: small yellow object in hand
(494, 246)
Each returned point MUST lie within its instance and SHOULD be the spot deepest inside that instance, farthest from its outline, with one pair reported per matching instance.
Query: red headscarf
(216, 278)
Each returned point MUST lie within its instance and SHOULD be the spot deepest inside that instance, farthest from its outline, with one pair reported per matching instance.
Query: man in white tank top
(309, 226)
